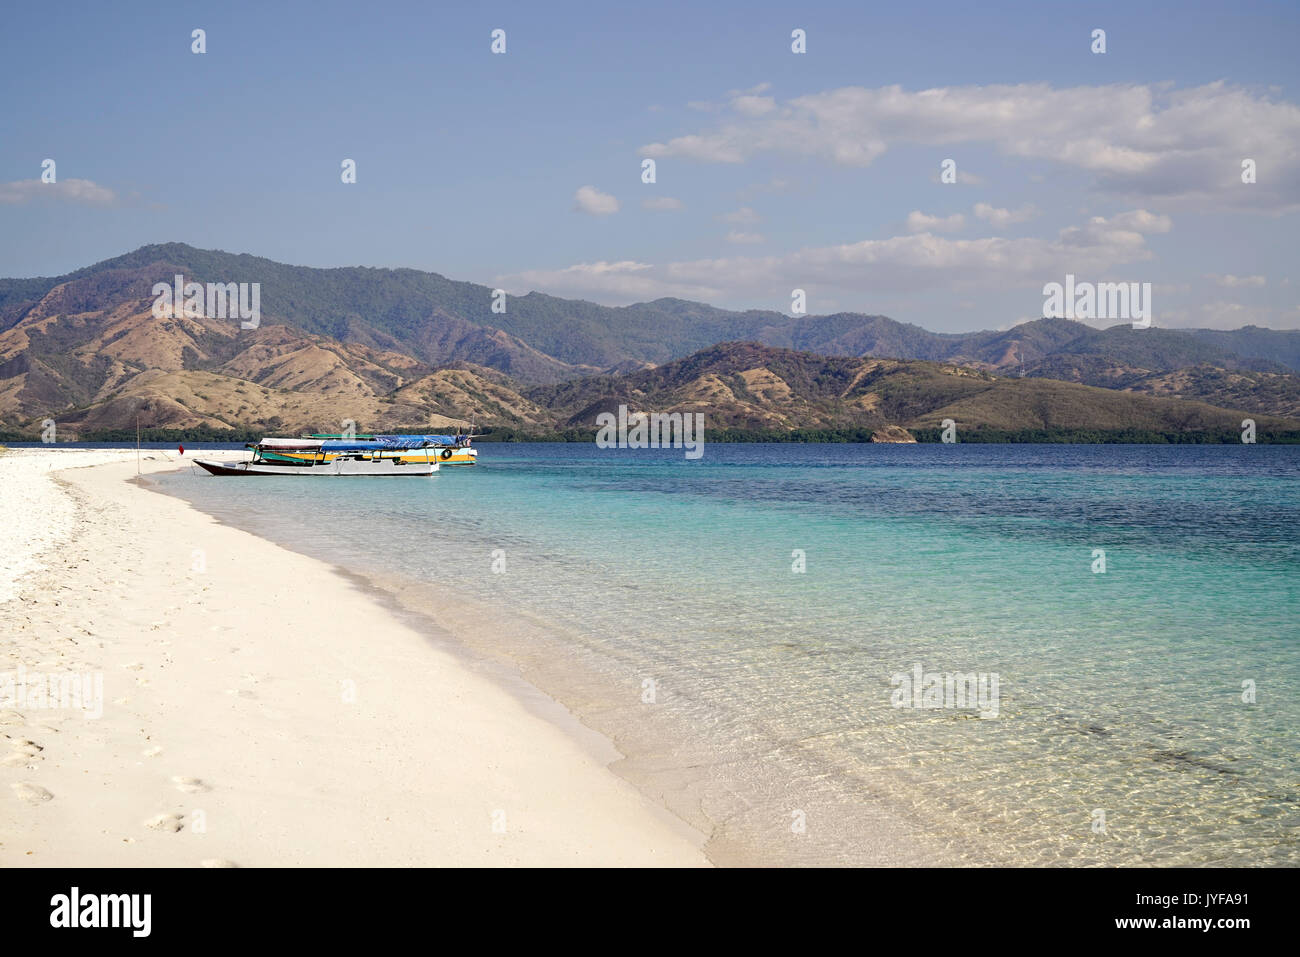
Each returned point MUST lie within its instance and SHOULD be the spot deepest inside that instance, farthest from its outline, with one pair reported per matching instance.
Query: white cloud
(754, 105)
(65, 190)
(1234, 281)
(736, 236)
(593, 202)
(1001, 218)
(749, 102)
(662, 203)
(1141, 221)
(1153, 141)
(873, 267)
(627, 281)
(1228, 315)
(919, 222)
(745, 216)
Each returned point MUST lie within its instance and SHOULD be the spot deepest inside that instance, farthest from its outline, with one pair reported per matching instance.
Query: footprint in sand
(11, 717)
(171, 823)
(190, 785)
(25, 753)
(217, 862)
(31, 793)
(151, 752)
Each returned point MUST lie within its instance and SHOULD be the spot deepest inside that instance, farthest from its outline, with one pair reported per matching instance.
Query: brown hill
(748, 386)
(95, 369)
(388, 348)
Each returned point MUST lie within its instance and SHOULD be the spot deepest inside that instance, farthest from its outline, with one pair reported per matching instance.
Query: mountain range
(390, 347)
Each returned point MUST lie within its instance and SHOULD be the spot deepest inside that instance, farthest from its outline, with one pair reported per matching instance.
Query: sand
(259, 709)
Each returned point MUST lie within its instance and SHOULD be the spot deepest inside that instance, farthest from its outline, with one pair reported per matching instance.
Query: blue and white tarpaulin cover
(417, 439)
(372, 443)
(380, 442)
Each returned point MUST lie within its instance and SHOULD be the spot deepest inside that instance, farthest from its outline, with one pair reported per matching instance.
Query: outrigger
(378, 455)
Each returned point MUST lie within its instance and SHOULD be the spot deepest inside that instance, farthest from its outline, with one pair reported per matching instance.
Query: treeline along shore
(981, 436)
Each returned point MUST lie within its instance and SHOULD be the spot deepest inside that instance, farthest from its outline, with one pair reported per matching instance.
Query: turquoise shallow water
(659, 599)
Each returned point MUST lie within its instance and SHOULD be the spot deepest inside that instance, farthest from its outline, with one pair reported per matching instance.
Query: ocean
(872, 654)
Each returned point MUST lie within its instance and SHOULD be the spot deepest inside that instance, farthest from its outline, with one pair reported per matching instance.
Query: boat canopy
(378, 443)
(295, 444)
(369, 443)
(391, 441)
(422, 439)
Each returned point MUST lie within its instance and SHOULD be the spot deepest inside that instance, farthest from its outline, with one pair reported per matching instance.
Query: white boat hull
(388, 467)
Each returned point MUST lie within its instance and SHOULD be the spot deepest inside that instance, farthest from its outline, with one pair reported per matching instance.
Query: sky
(774, 170)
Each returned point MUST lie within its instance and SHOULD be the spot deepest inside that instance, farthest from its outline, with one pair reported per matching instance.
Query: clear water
(772, 726)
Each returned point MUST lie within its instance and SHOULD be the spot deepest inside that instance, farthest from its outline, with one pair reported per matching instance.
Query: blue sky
(778, 170)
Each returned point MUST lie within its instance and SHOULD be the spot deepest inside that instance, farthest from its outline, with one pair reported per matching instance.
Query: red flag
(182, 450)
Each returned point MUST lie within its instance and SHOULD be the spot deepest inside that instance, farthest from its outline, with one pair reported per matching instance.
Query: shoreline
(877, 787)
(236, 734)
(676, 768)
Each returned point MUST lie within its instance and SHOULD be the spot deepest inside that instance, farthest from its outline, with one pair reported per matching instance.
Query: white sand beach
(258, 709)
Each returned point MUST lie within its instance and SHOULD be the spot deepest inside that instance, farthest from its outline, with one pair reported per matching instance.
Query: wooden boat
(391, 456)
